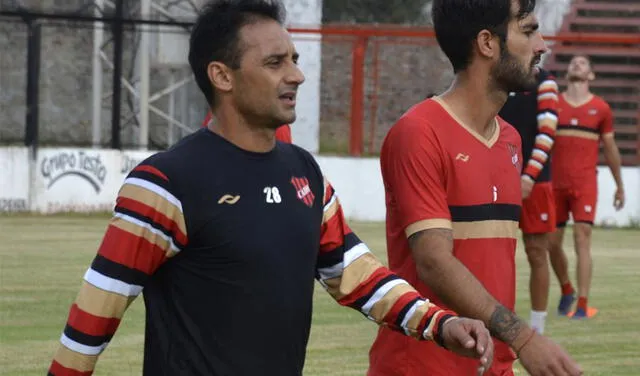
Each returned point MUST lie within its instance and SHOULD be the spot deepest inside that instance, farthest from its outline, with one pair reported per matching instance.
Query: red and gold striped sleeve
(147, 228)
(355, 278)
(547, 123)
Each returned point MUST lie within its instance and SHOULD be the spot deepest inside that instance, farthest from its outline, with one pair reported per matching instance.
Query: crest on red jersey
(515, 159)
(303, 190)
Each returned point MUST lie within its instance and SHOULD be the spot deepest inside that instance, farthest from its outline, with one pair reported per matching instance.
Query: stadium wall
(87, 180)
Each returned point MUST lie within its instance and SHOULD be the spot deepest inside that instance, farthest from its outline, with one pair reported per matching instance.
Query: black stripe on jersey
(545, 110)
(151, 177)
(117, 271)
(577, 128)
(364, 299)
(84, 338)
(148, 221)
(351, 240)
(335, 256)
(329, 196)
(404, 310)
(486, 212)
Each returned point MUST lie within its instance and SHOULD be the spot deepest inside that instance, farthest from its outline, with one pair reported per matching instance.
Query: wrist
(438, 329)
(520, 341)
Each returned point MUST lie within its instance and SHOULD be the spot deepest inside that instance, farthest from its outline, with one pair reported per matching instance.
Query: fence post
(118, 32)
(357, 97)
(33, 84)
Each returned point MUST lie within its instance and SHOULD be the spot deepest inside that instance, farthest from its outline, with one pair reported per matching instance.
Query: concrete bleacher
(617, 66)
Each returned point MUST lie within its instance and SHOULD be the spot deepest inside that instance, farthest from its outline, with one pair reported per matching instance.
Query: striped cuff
(527, 176)
(440, 325)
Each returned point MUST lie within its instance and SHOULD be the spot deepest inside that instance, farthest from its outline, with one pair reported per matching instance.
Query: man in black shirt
(227, 230)
(534, 115)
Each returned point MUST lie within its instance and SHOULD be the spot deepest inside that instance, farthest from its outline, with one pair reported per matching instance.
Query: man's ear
(220, 76)
(488, 44)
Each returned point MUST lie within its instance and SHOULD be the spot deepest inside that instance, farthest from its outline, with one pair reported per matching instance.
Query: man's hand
(526, 184)
(618, 199)
(542, 357)
(469, 338)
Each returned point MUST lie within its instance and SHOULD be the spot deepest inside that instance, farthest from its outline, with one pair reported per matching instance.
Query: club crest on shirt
(515, 159)
(303, 190)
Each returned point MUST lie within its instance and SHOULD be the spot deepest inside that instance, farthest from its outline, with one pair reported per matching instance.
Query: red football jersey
(575, 154)
(439, 173)
(283, 133)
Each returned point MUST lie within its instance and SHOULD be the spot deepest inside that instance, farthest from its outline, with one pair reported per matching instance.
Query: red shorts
(538, 210)
(394, 354)
(580, 202)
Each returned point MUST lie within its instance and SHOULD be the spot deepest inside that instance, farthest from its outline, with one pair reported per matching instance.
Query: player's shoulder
(299, 157)
(419, 120)
(179, 158)
(508, 132)
(600, 102)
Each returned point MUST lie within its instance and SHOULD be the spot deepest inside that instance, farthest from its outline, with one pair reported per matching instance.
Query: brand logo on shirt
(544, 217)
(588, 208)
(462, 157)
(228, 199)
(303, 191)
(515, 159)
(574, 121)
(593, 111)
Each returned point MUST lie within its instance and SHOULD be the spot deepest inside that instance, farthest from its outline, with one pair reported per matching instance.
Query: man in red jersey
(451, 170)
(584, 120)
(283, 133)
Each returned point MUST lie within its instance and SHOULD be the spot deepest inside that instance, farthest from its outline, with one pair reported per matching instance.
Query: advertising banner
(76, 180)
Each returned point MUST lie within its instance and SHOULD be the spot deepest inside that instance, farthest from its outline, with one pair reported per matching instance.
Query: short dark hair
(215, 35)
(458, 22)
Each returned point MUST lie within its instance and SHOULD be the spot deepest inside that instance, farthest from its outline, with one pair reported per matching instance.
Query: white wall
(75, 180)
(605, 212)
(358, 182)
(306, 129)
(14, 179)
(84, 180)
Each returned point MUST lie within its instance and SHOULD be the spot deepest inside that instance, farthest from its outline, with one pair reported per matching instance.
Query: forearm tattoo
(505, 325)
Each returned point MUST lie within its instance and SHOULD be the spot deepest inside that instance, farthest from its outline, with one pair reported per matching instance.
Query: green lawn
(42, 260)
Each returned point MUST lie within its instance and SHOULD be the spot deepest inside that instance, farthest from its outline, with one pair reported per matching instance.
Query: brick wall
(407, 73)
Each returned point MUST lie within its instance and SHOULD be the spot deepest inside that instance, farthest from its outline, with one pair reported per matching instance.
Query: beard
(577, 78)
(509, 75)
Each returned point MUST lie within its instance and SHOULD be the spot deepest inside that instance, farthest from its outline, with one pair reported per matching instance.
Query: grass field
(42, 260)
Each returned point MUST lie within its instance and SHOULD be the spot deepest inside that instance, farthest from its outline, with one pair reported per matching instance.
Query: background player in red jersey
(451, 170)
(534, 115)
(584, 120)
(283, 133)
